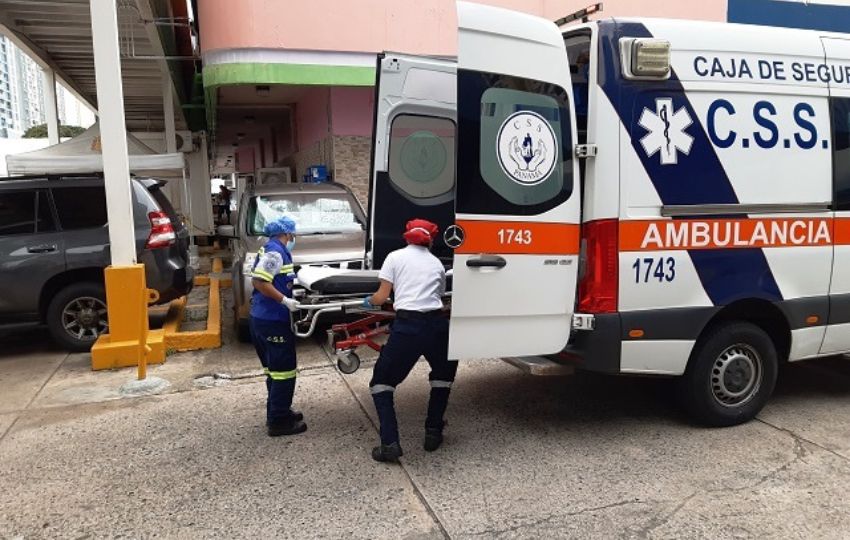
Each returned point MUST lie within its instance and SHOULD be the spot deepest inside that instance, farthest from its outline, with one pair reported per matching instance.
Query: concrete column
(51, 108)
(113, 134)
(168, 113)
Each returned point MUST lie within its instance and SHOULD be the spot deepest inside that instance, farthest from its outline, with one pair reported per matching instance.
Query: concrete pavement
(582, 457)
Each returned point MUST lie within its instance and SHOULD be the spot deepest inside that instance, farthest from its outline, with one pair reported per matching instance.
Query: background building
(22, 95)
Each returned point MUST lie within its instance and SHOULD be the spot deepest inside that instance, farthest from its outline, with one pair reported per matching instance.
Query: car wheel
(730, 376)
(77, 316)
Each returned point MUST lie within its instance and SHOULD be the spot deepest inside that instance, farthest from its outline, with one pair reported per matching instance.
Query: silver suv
(331, 231)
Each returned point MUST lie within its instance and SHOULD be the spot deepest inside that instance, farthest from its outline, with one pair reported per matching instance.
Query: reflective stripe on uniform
(378, 388)
(262, 274)
(286, 269)
(441, 384)
(281, 375)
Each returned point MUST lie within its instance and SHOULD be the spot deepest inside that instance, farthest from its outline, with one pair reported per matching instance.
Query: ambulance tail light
(162, 233)
(600, 282)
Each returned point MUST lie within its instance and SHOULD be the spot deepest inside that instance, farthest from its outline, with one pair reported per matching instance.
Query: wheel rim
(85, 318)
(736, 375)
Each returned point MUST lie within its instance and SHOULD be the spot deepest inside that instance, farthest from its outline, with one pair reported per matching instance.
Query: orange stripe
(519, 238)
(657, 235)
(841, 228)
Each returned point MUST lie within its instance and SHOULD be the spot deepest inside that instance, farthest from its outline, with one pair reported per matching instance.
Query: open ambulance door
(413, 162)
(516, 234)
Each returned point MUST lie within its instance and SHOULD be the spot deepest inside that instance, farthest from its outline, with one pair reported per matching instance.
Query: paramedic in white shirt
(417, 280)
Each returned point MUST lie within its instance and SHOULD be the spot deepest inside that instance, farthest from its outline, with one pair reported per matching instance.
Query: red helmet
(420, 232)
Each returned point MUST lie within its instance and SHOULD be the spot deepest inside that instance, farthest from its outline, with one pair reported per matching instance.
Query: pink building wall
(352, 111)
(411, 26)
(329, 25)
(311, 117)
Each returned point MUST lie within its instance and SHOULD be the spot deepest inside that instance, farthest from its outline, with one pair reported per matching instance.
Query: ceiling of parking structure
(57, 34)
(245, 116)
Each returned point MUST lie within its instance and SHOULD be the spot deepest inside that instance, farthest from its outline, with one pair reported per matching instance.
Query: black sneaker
(287, 428)
(387, 453)
(433, 439)
(296, 416)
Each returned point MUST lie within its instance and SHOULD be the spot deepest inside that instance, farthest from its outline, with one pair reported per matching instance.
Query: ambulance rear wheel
(730, 376)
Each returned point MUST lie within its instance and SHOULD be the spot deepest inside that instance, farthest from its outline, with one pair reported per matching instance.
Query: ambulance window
(578, 51)
(841, 151)
(422, 156)
(518, 131)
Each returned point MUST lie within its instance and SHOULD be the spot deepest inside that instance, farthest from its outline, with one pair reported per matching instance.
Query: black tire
(730, 376)
(243, 331)
(77, 333)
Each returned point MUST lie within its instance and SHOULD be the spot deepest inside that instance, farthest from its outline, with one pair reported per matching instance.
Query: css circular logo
(527, 148)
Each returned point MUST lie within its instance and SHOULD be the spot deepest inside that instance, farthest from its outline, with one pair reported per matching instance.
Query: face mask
(290, 245)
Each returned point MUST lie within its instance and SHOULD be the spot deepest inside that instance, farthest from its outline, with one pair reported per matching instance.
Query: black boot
(296, 416)
(291, 427)
(387, 453)
(433, 437)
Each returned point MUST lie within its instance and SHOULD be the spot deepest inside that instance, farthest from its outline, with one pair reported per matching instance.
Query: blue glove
(367, 303)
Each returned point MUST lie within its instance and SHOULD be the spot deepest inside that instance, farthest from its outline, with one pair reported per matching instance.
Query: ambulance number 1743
(649, 268)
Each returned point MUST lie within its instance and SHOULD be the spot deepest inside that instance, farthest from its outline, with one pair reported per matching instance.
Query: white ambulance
(635, 196)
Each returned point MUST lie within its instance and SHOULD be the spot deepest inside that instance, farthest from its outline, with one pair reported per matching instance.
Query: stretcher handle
(330, 305)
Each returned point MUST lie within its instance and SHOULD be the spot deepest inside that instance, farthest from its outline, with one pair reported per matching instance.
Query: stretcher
(325, 292)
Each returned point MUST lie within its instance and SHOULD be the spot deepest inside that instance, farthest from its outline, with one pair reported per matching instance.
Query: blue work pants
(275, 344)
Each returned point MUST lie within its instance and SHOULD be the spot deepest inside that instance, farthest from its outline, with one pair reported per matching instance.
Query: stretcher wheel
(349, 363)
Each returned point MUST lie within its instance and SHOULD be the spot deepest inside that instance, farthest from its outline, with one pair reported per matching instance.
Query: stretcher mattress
(340, 281)
(330, 281)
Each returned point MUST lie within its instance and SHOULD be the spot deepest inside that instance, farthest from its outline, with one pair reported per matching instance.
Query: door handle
(44, 248)
(487, 261)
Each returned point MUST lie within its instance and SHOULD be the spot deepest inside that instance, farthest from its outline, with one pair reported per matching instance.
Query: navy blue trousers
(275, 344)
(409, 340)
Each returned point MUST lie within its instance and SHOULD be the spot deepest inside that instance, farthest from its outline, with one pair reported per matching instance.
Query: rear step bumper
(540, 366)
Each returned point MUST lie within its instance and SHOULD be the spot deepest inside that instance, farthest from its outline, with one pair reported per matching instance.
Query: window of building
(80, 207)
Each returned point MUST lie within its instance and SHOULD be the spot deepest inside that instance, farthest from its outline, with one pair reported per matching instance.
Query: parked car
(331, 232)
(54, 246)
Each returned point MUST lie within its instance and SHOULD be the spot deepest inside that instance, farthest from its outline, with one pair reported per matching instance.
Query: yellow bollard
(129, 342)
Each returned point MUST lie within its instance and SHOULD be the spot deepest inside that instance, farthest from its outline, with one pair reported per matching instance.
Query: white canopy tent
(82, 154)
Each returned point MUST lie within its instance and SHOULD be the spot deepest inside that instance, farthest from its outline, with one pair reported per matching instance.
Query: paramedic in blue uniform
(417, 280)
(271, 303)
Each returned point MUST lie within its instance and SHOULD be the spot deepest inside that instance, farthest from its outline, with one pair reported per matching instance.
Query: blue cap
(282, 225)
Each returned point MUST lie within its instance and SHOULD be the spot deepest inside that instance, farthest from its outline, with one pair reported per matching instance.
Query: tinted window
(422, 156)
(44, 215)
(514, 145)
(841, 151)
(80, 207)
(17, 212)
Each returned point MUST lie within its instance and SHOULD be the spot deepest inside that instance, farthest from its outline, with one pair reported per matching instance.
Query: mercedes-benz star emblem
(453, 236)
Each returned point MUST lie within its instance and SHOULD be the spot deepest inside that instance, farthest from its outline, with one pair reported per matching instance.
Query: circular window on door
(421, 161)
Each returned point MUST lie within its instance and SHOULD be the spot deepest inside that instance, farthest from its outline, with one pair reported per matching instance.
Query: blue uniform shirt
(274, 265)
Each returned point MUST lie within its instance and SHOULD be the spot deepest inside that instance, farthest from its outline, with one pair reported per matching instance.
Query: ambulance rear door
(413, 162)
(516, 235)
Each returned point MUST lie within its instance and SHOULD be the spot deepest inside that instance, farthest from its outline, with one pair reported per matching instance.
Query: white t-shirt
(418, 278)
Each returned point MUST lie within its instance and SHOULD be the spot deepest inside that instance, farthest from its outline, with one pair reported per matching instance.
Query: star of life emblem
(667, 133)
